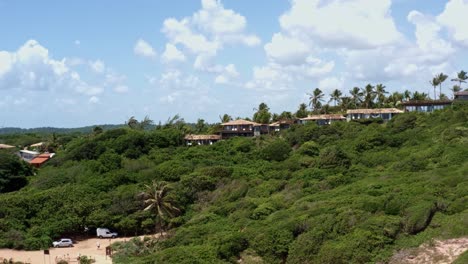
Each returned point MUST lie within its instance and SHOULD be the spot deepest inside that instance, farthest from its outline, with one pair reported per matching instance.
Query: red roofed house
(384, 113)
(243, 128)
(39, 160)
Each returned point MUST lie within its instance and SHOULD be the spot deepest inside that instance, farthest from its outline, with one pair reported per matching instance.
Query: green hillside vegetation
(345, 193)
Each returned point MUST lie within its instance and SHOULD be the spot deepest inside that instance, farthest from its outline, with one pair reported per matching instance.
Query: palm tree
(455, 89)
(346, 103)
(225, 118)
(356, 96)
(420, 96)
(157, 199)
(369, 95)
(380, 93)
(395, 99)
(441, 78)
(316, 99)
(335, 96)
(434, 83)
(302, 111)
(407, 95)
(461, 78)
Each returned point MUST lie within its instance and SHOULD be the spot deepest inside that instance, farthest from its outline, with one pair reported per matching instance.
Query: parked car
(105, 233)
(64, 242)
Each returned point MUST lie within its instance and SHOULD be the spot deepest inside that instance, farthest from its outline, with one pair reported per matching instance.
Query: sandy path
(439, 252)
(85, 248)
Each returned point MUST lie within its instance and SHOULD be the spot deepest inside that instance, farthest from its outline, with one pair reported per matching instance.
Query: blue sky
(70, 64)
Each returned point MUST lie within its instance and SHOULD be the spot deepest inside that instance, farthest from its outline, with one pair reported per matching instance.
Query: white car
(64, 242)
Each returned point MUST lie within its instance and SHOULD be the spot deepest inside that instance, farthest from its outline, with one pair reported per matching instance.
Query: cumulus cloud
(286, 50)
(93, 100)
(144, 49)
(97, 66)
(32, 68)
(342, 23)
(454, 18)
(172, 54)
(227, 75)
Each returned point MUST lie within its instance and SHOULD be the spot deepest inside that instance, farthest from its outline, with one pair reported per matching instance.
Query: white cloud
(228, 74)
(93, 100)
(454, 18)
(329, 84)
(342, 23)
(97, 66)
(172, 54)
(286, 50)
(214, 18)
(77, 42)
(144, 49)
(121, 89)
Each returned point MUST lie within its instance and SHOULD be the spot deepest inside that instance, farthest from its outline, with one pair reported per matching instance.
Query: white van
(105, 233)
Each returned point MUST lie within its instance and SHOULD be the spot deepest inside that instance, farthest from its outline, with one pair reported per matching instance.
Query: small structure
(5, 146)
(28, 155)
(242, 128)
(461, 96)
(384, 113)
(191, 140)
(323, 119)
(280, 125)
(426, 106)
(39, 160)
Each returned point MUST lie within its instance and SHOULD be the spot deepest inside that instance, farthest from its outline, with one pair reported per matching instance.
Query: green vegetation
(345, 193)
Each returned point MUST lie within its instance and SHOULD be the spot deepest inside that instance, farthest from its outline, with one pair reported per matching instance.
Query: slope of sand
(438, 252)
(86, 247)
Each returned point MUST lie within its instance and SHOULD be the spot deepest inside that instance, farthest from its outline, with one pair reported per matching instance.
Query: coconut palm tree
(369, 95)
(455, 89)
(434, 83)
(380, 93)
(346, 103)
(407, 95)
(158, 200)
(395, 99)
(335, 96)
(417, 96)
(302, 111)
(461, 78)
(356, 96)
(316, 99)
(225, 118)
(441, 78)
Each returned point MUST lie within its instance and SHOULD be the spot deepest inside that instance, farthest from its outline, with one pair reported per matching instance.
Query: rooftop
(324, 117)
(427, 102)
(375, 111)
(5, 146)
(240, 122)
(462, 93)
(202, 137)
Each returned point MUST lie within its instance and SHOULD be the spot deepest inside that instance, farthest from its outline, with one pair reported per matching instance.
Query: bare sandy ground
(86, 247)
(438, 252)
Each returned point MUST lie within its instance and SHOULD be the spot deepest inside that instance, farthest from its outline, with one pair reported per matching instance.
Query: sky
(78, 63)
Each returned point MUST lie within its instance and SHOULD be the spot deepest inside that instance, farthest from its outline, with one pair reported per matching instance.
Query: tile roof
(324, 117)
(5, 146)
(39, 160)
(462, 93)
(375, 111)
(202, 137)
(427, 102)
(240, 122)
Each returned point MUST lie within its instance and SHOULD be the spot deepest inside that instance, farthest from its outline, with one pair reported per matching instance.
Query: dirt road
(86, 247)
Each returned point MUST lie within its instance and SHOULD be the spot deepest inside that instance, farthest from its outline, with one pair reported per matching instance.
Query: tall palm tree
(369, 95)
(316, 99)
(407, 95)
(434, 83)
(335, 96)
(441, 77)
(461, 78)
(346, 103)
(157, 199)
(455, 89)
(417, 96)
(380, 93)
(225, 118)
(395, 99)
(302, 111)
(356, 96)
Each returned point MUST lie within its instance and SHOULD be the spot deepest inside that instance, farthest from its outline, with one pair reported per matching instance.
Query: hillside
(345, 193)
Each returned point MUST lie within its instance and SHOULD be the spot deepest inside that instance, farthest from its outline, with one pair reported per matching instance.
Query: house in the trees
(461, 96)
(39, 160)
(28, 155)
(191, 140)
(426, 106)
(280, 125)
(323, 119)
(243, 128)
(384, 113)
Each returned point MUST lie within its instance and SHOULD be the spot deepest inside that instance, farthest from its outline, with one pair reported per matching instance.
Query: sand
(86, 247)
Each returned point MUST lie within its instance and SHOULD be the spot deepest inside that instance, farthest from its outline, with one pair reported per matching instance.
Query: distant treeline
(49, 130)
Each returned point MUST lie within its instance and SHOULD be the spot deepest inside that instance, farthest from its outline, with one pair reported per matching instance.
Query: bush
(332, 157)
(418, 217)
(277, 150)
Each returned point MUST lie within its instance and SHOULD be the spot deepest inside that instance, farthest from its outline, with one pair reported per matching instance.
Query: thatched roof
(426, 102)
(5, 146)
(37, 144)
(461, 93)
(375, 111)
(240, 122)
(323, 117)
(202, 137)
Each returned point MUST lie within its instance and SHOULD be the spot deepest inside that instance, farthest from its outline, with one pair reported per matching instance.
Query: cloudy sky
(76, 63)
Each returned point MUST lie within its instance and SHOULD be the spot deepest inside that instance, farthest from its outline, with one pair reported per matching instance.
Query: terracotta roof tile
(375, 111)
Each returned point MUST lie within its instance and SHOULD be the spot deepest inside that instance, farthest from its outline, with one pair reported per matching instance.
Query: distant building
(5, 146)
(28, 155)
(384, 113)
(191, 140)
(426, 106)
(280, 125)
(461, 96)
(323, 119)
(39, 160)
(243, 128)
